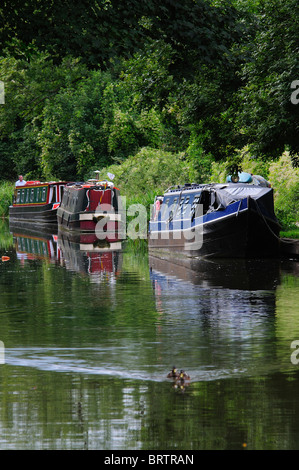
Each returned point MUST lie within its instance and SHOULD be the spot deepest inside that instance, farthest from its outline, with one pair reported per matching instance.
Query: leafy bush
(150, 171)
(284, 179)
(6, 192)
(201, 162)
(285, 182)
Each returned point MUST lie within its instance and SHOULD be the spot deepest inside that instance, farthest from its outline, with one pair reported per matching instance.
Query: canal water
(88, 337)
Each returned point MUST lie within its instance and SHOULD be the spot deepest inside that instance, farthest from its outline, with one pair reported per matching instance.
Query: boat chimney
(98, 174)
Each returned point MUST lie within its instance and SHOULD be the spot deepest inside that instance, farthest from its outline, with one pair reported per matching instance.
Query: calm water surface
(89, 337)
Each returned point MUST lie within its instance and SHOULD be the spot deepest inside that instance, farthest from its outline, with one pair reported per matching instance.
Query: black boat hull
(246, 234)
(44, 216)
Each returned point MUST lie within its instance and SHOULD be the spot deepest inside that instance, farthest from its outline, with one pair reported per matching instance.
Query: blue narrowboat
(216, 220)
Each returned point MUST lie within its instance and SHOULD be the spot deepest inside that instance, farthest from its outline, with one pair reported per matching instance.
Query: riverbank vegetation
(155, 93)
(6, 192)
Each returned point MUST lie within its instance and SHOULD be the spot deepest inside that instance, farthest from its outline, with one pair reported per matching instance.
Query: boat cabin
(37, 193)
(187, 202)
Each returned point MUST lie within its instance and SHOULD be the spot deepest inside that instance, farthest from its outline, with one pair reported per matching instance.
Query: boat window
(61, 190)
(206, 200)
(44, 195)
(18, 196)
(53, 193)
(23, 195)
(173, 203)
(26, 195)
(32, 195)
(195, 202)
(172, 208)
(164, 207)
(177, 209)
(185, 206)
(194, 205)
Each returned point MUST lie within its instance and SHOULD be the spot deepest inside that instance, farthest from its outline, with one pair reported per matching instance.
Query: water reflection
(30, 245)
(87, 255)
(90, 339)
(241, 274)
(229, 304)
(83, 254)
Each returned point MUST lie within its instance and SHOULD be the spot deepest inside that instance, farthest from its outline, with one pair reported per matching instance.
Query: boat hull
(34, 215)
(245, 233)
(86, 221)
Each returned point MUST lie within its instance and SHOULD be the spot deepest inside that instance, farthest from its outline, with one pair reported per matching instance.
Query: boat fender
(5, 258)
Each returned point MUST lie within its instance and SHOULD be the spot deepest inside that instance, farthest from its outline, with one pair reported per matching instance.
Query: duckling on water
(183, 376)
(173, 374)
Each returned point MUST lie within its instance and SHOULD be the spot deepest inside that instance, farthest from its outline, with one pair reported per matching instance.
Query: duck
(183, 376)
(173, 374)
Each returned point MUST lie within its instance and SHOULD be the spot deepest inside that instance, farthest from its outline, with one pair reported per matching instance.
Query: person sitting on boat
(21, 181)
(158, 206)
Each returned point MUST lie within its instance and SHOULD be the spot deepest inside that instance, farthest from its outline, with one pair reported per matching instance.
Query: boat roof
(194, 187)
(38, 183)
(91, 184)
(227, 191)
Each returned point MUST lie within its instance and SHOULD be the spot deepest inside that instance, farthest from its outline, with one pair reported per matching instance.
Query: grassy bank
(290, 234)
(6, 192)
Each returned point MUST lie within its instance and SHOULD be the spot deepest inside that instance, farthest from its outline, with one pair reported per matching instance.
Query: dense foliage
(93, 84)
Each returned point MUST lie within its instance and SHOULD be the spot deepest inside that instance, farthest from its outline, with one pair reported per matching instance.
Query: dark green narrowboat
(36, 203)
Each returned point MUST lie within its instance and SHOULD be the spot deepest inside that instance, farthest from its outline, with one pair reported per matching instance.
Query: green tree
(73, 136)
(104, 30)
(29, 85)
(96, 30)
(268, 118)
(93, 125)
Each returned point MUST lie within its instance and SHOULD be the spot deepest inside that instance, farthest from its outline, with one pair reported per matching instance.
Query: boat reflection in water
(32, 245)
(228, 303)
(86, 254)
(244, 274)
